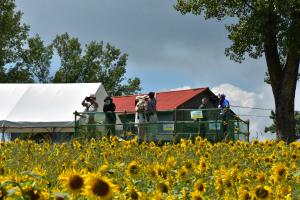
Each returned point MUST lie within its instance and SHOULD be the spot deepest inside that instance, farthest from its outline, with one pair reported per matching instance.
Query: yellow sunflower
(171, 162)
(294, 156)
(30, 192)
(103, 168)
(160, 171)
(133, 193)
(132, 169)
(157, 195)
(163, 187)
(283, 190)
(182, 173)
(183, 194)
(280, 172)
(203, 165)
(72, 180)
(188, 164)
(196, 195)
(99, 187)
(244, 193)
(262, 192)
(200, 186)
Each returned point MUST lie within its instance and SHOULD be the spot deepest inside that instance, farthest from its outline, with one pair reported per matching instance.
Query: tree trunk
(285, 118)
(283, 82)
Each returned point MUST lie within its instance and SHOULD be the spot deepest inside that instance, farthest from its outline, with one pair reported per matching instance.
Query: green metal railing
(172, 125)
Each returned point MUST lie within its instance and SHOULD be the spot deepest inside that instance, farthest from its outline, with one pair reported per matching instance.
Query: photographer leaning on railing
(91, 106)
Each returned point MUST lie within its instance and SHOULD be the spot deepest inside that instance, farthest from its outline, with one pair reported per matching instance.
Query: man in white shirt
(91, 106)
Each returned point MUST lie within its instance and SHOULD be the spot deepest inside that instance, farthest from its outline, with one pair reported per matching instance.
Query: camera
(88, 99)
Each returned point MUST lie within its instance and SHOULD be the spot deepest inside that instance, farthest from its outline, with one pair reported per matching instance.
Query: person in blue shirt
(225, 110)
(224, 103)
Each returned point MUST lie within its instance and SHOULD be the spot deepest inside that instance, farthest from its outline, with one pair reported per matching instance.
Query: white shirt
(91, 107)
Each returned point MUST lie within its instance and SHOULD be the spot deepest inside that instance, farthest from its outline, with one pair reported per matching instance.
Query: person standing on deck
(109, 109)
(151, 114)
(225, 110)
(91, 107)
(203, 107)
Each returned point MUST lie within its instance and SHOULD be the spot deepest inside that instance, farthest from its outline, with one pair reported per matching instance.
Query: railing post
(75, 124)
(216, 126)
(175, 123)
(248, 123)
(3, 134)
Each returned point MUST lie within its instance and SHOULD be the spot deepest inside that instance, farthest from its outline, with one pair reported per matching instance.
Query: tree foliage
(69, 51)
(37, 59)
(272, 128)
(13, 34)
(256, 21)
(96, 63)
(270, 28)
(17, 74)
(27, 60)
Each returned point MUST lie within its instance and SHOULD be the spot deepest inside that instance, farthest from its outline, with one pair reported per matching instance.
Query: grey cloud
(153, 34)
(141, 28)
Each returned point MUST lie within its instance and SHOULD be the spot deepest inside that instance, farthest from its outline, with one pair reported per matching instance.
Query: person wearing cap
(151, 114)
(91, 106)
(140, 117)
(225, 111)
(90, 103)
(109, 109)
(224, 103)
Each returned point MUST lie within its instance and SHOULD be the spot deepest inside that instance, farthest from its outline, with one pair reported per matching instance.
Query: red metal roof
(165, 100)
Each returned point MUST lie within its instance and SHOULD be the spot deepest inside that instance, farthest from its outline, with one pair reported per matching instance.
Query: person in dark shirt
(151, 108)
(204, 106)
(204, 103)
(109, 109)
(225, 113)
(151, 114)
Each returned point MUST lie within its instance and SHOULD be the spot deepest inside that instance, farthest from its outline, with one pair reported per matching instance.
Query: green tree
(69, 50)
(13, 34)
(18, 74)
(272, 128)
(97, 63)
(270, 28)
(37, 59)
(132, 86)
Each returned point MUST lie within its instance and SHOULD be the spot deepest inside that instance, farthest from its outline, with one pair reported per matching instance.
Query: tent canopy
(42, 105)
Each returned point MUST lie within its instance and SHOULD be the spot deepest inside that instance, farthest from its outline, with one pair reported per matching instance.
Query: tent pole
(75, 124)
(3, 130)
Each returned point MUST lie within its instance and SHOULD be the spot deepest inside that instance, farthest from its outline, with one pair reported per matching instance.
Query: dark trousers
(91, 126)
(202, 129)
(110, 129)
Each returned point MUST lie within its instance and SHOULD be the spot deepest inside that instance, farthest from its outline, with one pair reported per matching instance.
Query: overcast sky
(166, 49)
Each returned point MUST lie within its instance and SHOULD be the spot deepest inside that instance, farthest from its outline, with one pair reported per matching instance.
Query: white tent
(36, 107)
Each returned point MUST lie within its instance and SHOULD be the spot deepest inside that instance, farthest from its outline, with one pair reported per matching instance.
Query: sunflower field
(113, 169)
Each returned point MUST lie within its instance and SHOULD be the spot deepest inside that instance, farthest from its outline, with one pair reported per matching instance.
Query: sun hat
(92, 96)
(108, 98)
